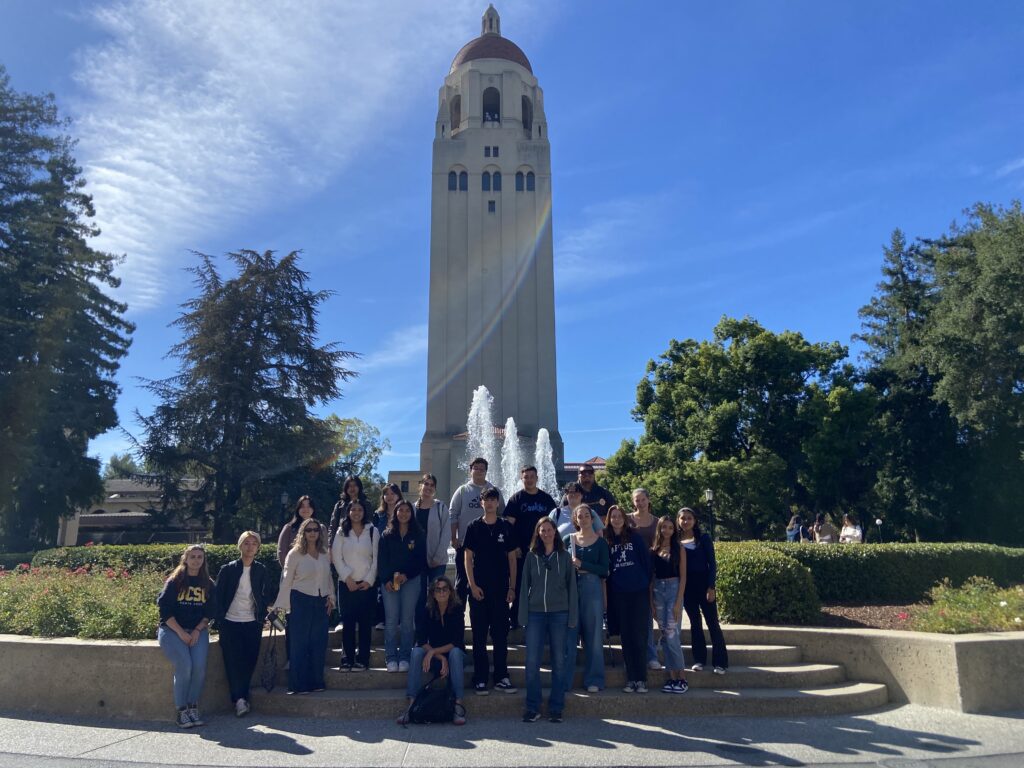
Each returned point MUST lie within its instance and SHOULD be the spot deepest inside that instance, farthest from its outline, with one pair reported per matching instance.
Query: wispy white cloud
(403, 347)
(1011, 167)
(196, 113)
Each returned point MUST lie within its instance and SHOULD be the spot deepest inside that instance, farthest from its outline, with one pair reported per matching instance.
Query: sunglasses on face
(442, 589)
(312, 530)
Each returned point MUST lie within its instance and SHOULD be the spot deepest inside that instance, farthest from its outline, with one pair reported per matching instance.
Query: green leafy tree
(237, 414)
(121, 466)
(61, 334)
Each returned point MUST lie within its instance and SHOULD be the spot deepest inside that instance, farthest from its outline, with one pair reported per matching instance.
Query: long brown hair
(609, 532)
(537, 546)
(299, 543)
(673, 540)
(454, 603)
(180, 572)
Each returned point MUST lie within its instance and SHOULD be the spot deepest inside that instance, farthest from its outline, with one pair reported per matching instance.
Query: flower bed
(978, 606)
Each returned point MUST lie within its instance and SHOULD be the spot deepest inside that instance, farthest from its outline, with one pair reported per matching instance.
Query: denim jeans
(552, 629)
(591, 613)
(189, 664)
(308, 652)
(456, 664)
(665, 591)
(399, 620)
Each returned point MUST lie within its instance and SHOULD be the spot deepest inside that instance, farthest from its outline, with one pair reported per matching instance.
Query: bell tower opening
(455, 111)
(528, 116)
(490, 24)
(492, 105)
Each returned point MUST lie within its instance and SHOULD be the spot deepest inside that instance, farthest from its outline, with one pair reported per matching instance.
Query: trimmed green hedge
(899, 573)
(757, 585)
(11, 560)
(139, 558)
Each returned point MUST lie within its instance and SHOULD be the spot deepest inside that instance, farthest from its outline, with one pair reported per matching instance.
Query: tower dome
(491, 45)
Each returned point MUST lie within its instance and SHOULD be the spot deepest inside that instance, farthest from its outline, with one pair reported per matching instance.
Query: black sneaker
(531, 717)
(357, 667)
(555, 717)
(505, 686)
(346, 667)
(480, 689)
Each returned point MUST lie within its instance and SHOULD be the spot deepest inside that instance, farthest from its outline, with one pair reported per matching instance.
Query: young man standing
(523, 510)
(490, 555)
(464, 509)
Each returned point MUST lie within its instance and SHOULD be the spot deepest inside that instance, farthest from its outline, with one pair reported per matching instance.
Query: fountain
(511, 459)
(480, 427)
(547, 479)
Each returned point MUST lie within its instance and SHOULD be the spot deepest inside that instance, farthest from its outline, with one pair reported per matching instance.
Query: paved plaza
(905, 736)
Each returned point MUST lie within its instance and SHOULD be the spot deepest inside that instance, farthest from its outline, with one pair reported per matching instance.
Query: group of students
(564, 571)
(821, 531)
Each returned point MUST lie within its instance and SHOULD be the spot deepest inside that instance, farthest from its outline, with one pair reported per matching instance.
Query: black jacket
(227, 585)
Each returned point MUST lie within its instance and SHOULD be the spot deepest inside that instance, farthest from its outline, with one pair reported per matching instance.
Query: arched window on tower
(492, 105)
(485, 182)
(452, 181)
(497, 181)
(531, 182)
(528, 116)
(455, 111)
(519, 181)
(463, 181)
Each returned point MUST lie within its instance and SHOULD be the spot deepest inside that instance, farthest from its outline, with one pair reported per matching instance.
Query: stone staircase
(764, 679)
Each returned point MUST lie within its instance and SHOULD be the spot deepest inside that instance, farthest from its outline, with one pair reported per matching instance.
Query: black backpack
(434, 703)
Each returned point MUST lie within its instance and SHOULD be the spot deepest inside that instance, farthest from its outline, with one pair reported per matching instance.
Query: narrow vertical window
(494, 151)
(487, 151)
(463, 181)
(485, 182)
(491, 207)
(452, 180)
(531, 182)
(519, 181)
(497, 181)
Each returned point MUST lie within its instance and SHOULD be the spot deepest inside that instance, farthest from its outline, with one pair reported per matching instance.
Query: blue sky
(708, 158)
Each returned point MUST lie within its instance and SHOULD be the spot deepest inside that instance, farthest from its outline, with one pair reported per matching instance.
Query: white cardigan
(306, 574)
(356, 556)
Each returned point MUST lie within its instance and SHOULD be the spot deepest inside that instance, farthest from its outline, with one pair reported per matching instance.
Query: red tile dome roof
(491, 47)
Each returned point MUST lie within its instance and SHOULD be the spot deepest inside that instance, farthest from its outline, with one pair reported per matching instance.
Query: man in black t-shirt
(490, 553)
(523, 510)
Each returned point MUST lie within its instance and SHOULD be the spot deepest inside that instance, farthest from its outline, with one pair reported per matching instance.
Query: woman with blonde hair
(307, 593)
(241, 607)
(187, 604)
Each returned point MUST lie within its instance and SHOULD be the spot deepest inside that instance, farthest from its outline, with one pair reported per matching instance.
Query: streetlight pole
(709, 498)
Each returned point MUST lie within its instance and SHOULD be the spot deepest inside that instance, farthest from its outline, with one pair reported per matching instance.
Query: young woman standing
(699, 597)
(390, 495)
(433, 519)
(629, 596)
(354, 555)
(304, 510)
(307, 594)
(643, 522)
(241, 608)
(591, 563)
(402, 558)
(186, 605)
(548, 610)
(669, 586)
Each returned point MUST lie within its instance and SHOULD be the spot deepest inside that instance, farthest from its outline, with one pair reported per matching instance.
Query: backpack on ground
(434, 703)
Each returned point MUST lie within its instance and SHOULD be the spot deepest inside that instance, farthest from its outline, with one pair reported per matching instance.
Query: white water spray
(511, 460)
(545, 461)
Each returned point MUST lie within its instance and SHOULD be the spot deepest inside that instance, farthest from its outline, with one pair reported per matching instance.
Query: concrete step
(774, 702)
(786, 676)
(742, 655)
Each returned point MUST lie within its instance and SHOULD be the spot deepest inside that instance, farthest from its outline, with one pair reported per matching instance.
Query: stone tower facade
(492, 305)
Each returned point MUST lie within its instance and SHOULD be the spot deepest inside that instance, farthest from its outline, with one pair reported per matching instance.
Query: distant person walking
(852, 532)
(824, 531)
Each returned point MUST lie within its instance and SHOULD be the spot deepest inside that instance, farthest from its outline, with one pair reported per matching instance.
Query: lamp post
(709, 499)
(284, 507)
(878, 523)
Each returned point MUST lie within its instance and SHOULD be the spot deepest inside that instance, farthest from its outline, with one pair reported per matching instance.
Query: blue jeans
(308, 652)
(665, 591)
(399, 620)
(189, 664)
(551, 628)
(591, 614)
(456, 664)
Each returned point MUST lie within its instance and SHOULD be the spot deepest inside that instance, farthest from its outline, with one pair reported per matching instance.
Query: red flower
(902, 615)
(89, 544)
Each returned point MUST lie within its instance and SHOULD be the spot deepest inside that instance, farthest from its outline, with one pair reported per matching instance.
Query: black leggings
(695, 602)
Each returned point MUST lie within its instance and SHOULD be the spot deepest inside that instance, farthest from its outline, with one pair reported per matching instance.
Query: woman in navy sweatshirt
(186, 606)
(629, 596)
(401, 560)
(700, 596)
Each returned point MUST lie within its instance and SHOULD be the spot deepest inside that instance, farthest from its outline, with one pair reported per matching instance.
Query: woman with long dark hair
(548, 608)
(432, 516)
(669, 559)
(307, 594)
(700, 597)
(305, 510)
(590, 556)
(390, 495)
(187, 604)
(442, 645)
(241, 607)
(401, 560)
(354, 555)
(351, 491)
(629, 596)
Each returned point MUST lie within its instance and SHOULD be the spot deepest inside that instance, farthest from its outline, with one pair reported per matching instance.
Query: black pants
(632, 613)
(695, 602)
(357, 619)
(513, 621)
(461, 580)
(489, 615)
(240, 644)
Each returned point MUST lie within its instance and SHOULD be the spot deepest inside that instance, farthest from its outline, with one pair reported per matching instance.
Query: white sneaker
(403, 666)
(654, 664)
(593, 689)
(242, 708)
(339, 627)
(719, 670)
(641, 686)
(392, 666)
(630, 687)
(379, 625)
(697, 668)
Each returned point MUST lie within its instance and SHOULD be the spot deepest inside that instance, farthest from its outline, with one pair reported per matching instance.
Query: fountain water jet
(480, 427)
(547, 480)
(511, 459)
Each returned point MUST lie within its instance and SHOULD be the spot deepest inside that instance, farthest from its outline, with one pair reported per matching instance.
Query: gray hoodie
(549, 586)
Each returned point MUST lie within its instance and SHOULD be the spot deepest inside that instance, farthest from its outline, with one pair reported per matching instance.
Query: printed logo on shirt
(501, 538)
(412, 545)
(192, 595)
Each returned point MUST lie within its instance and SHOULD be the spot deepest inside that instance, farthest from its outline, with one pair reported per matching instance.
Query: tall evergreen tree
(237, 414)
(61, 335)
